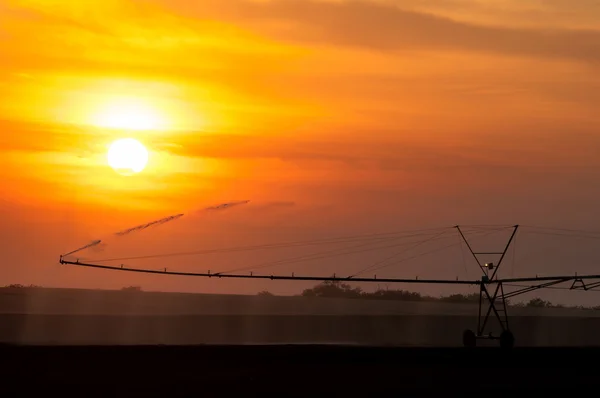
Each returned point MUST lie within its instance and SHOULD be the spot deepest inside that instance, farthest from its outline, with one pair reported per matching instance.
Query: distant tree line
(344, 290)
(336, 289)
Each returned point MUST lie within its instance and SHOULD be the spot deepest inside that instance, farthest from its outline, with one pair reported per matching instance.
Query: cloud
(237, 61)
(428, 163)
(515, 13)
(44, 137)
(399, 154)
(229, 146)
(388, 28)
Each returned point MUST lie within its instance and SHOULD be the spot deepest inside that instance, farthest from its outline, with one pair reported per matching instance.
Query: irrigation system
(492, 295)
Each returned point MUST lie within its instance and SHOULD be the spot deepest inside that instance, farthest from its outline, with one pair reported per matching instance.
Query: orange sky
(440, 112)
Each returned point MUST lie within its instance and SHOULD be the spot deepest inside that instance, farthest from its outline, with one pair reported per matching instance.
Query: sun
(127, 156)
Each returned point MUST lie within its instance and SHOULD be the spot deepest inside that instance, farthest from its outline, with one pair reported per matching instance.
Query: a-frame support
(493, 296)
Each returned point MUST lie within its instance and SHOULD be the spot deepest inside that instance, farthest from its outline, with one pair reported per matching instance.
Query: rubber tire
(507, 340)
(469, 339)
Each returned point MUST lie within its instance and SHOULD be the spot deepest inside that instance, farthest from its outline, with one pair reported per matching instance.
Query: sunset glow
(332, 117)
(128, 114)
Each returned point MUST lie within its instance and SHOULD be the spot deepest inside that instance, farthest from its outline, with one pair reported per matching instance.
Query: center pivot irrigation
(491, 287)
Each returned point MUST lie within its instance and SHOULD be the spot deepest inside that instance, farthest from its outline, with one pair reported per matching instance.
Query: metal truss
(492, 296)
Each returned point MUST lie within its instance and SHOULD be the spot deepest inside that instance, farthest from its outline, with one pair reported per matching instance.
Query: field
(110, 343)
(70, 316)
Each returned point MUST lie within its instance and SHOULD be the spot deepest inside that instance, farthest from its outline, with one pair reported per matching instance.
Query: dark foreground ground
(309, 370)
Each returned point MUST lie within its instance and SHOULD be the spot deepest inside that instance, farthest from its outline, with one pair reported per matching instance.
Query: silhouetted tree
(333, 289)
(538, 303)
